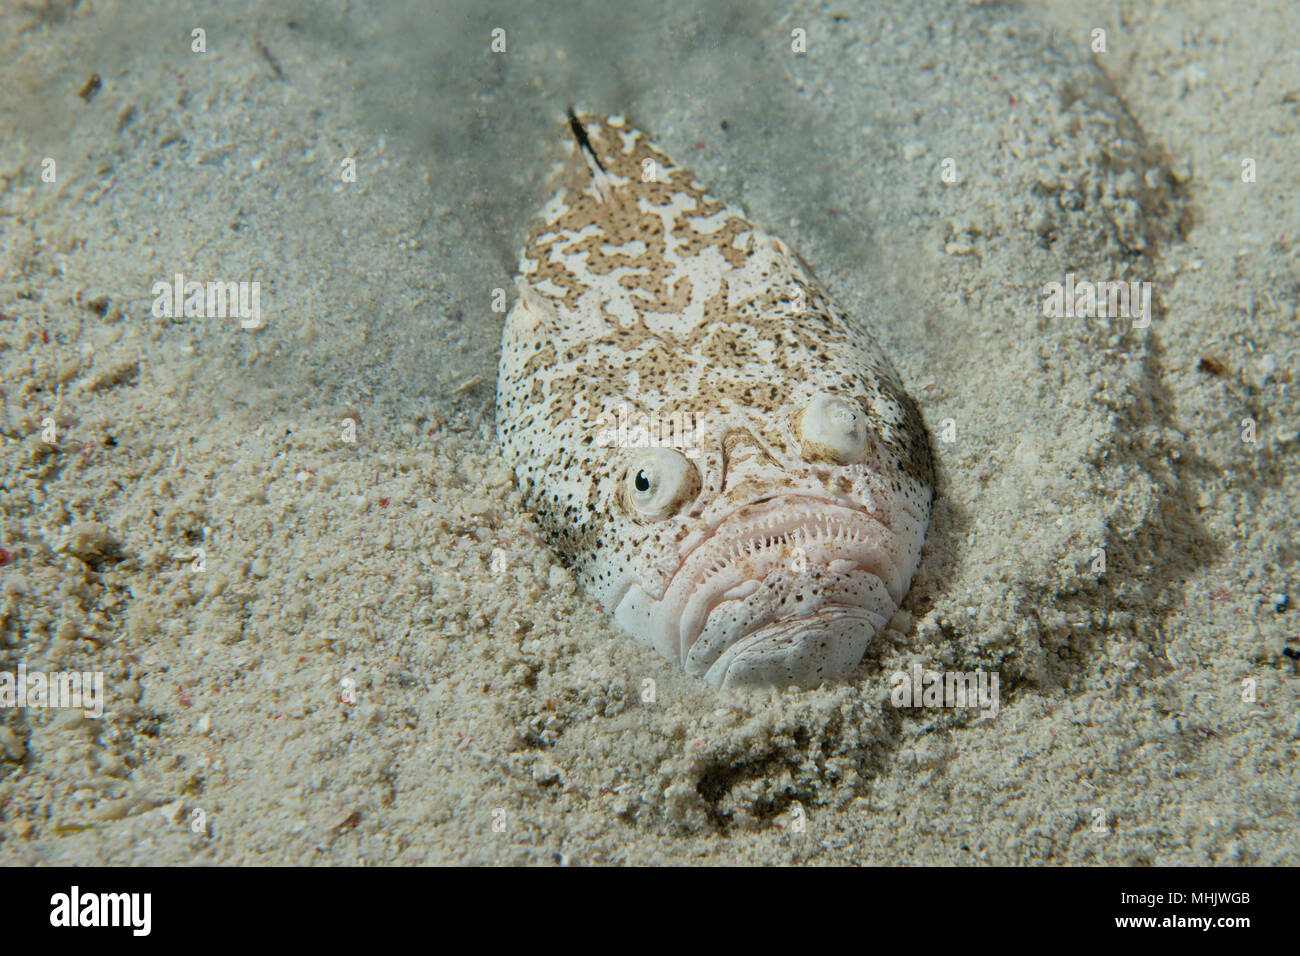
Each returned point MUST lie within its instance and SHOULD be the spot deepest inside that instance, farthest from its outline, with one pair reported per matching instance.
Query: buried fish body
(767, 543)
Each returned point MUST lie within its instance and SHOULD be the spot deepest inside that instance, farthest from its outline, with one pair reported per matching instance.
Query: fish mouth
(788, 590)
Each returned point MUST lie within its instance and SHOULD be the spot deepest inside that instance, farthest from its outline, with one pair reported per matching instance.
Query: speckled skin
(779, 553)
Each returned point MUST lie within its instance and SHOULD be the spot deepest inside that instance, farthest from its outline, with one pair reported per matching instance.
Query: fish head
(730, 465)
(759, 546)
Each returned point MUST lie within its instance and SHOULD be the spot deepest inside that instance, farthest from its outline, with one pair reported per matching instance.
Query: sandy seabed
(338, 648)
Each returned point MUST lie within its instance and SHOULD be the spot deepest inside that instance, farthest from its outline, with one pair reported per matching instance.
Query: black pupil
(641, 482)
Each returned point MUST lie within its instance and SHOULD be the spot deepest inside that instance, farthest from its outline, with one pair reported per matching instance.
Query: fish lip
(871, 540)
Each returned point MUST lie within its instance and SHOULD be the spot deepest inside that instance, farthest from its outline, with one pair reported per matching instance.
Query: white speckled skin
(774, 551)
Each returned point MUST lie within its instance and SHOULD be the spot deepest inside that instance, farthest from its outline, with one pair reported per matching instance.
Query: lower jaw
(806, 651)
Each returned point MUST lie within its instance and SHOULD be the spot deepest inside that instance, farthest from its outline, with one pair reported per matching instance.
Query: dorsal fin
(599, 177)
(584, 143)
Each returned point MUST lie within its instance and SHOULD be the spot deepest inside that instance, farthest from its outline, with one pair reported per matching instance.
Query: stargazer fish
(728, 463)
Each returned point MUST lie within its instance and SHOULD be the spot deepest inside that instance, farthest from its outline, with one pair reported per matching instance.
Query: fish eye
(833, 429)
(658, 482)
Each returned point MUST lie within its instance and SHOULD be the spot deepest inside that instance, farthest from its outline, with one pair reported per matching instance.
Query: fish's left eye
(658, 482)
(833, 429)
